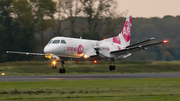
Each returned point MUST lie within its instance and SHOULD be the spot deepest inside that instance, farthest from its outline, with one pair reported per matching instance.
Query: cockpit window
(63, 41)
(50, 42)
(56, 41)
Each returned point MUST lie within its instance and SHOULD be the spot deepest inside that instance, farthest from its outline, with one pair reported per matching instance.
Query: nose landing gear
(54, 66)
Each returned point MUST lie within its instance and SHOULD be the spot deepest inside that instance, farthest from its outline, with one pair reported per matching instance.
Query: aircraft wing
(26, 53)
(137, 48)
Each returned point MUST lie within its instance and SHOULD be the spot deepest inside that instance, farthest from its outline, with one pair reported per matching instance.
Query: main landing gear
(54, 66)
(62, 70)
(112, 67)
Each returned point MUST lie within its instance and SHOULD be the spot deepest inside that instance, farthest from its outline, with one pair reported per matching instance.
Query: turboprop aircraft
(65, 48)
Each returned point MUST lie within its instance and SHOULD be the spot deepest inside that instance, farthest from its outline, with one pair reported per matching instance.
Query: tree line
(27, 25)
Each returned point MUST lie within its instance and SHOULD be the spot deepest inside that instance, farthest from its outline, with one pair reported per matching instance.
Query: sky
(149, 8)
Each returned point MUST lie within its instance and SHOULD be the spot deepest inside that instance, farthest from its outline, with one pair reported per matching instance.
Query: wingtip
(165, 41)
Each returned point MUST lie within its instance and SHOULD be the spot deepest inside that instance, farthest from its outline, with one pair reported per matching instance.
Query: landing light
(95, 61)
(165, 41)
(54, 62)
(104, 39)
(85, 56)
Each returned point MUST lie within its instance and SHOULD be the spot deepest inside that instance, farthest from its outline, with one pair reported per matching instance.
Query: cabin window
(63, 41)
(56, 41)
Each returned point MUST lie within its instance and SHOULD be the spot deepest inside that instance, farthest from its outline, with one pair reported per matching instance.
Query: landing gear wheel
(62, 70)
(112, 67)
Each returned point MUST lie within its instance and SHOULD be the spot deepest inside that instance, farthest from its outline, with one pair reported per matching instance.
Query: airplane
(118, 47)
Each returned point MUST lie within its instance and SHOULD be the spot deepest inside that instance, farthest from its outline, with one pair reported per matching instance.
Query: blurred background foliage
(27, 25)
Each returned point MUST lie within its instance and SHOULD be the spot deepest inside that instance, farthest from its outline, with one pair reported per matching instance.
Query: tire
(110, 67)
(60, 70)
(113, 67)
(63, 70)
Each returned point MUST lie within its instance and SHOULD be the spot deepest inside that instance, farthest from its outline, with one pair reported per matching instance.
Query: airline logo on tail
(126, 31)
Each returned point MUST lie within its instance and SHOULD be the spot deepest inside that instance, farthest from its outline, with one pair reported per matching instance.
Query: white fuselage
(77, 48)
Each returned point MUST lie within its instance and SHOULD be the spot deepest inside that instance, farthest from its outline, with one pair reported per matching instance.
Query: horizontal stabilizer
(141, 42)
(137, 48)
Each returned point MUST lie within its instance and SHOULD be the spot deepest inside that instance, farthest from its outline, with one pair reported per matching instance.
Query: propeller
(97, 49)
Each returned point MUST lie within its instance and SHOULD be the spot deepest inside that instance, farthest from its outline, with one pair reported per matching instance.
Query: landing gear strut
(62, 70)
(112, 67)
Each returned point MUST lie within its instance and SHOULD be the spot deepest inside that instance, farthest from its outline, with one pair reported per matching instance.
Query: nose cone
(47, 49)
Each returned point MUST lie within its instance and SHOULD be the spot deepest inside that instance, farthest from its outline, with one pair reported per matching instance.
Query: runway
(89, 76)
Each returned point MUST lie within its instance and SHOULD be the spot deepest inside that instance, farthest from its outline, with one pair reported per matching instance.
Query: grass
(161, 89)
(44, 67)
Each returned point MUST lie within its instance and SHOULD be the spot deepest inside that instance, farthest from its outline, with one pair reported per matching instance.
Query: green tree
(20, 21)
(12, 36)
(98, 14)
(35, 16)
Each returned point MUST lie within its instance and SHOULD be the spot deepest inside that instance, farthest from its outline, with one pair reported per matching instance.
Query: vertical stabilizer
(125, 35)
